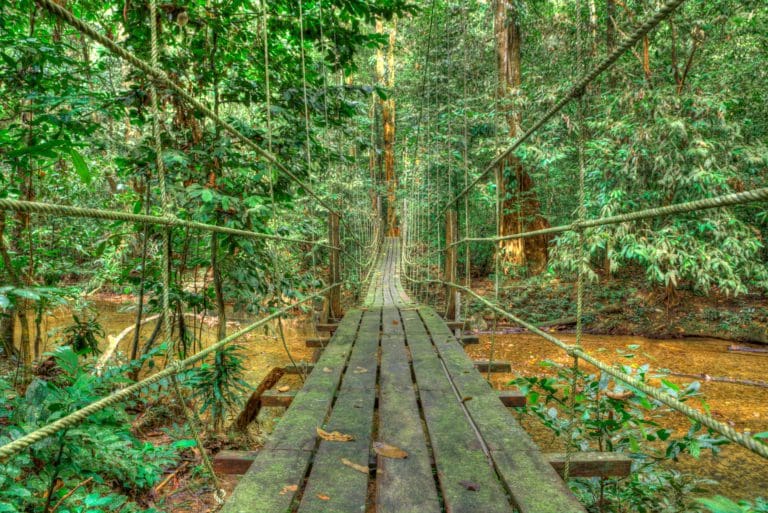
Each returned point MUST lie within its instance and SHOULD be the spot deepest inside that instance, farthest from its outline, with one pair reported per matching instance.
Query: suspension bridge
(394, 416)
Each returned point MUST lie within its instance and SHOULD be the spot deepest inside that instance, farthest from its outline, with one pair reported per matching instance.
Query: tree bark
(520, 209)
(385, 75)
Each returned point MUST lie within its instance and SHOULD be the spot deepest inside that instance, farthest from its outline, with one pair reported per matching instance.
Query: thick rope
(576, 91)
(12, 448)
(115, 215)
(161, 77)
(724, 429)
(165, 199)
(726, 200)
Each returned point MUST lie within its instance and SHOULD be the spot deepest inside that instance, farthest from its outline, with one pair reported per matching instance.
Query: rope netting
(420, 272)
(365, 233)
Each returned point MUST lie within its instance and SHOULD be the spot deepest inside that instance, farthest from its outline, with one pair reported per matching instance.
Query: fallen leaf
(389, 451)
(327, 369)
(469, 485)
(465, 399)
(352, 464)
(283, 388)
(334, 436)
(289, 488)
(323, 497)
(395, 322)
(359, 370)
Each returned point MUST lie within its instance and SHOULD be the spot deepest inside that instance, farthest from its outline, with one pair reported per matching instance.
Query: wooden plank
(276, 399)
(534, 485)
(456, 325)
(317, 342)
(494, 366)
(512, 398)
(299, 368)
(233, 462)
(326, 327)
(468, 340)
(403, 485)
(277, 474)
(268, 485)
(593, 464)
(466, 477)
(333, 486)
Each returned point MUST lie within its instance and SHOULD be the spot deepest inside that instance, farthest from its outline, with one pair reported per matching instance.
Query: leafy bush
(613, 417)
(99, 458)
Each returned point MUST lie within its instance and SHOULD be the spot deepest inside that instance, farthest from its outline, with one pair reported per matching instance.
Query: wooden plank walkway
(393, 373)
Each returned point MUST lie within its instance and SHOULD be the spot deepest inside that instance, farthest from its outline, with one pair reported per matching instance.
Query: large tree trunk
(388, 125)
(520, 209)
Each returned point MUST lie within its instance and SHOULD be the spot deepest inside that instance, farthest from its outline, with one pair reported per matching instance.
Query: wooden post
(334, 295)
(450, 272)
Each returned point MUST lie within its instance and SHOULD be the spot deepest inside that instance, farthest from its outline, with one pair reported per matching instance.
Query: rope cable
(576, 91)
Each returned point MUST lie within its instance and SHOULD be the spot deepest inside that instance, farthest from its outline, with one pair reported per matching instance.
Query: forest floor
(620, 307)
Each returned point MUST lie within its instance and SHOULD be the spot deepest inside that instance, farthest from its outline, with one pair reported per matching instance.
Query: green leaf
(80, 166)
(183, 444)
(206, 196)
(94, 499)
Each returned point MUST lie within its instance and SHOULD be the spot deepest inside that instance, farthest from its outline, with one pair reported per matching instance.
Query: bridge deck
(393, 373)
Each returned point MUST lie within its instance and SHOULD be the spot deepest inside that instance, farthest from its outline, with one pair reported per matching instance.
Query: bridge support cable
(725, 200)
(11, 449)
(575, 92)
(116, 215)
(737, 437)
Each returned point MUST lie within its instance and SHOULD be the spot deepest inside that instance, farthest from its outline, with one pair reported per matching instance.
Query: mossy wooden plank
(296, 429)
(363, 362)
(534, 485)
(333, 486)
(592, 464)
(467, 480)
(403, 485)
(271, 483)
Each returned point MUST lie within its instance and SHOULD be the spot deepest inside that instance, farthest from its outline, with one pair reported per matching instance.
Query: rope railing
(575, 92)
(725, 200)
(724, 429)
(11, 449)
(167, 220)
(160, 76)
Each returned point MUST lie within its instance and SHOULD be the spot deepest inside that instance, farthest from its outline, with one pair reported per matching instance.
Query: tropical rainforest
(388, 112)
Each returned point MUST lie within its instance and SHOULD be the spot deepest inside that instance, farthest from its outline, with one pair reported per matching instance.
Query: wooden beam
(274, 398)
(456, 325)
(326, 327)
(233, 462)
(299, 368)
(593, 464)
(495, 366)
(317, 342)
(512, 398)
(467, 340)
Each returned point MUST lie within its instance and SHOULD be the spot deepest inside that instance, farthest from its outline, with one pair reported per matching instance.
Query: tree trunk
(388, 124)
(520, 209)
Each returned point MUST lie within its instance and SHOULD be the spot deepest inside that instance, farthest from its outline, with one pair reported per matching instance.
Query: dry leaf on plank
(389, 451)
(352, 464)
(289, 488)
(334, 436)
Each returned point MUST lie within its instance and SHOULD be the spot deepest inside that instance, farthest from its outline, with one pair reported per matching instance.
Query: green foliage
(720, 504)
(610, 416)
(219, 385)
(82, 335)
(101, 447)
